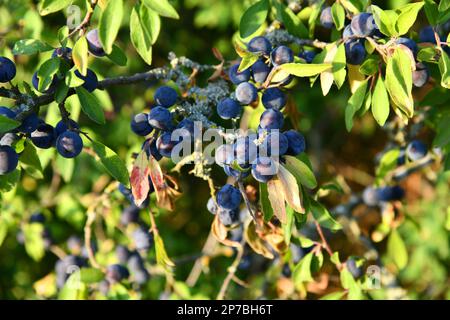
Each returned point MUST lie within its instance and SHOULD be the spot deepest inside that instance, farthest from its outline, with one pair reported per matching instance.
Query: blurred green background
(68, 185)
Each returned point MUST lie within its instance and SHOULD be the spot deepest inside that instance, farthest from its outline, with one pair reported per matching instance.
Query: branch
(86, 20)
(231, 271)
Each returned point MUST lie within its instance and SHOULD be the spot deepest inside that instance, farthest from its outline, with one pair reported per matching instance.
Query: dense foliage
(199, 149)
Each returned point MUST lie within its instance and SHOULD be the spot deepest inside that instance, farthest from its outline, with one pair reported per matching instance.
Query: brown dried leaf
(276, 198)
(290, 189)
(165, 195)
(255, 242)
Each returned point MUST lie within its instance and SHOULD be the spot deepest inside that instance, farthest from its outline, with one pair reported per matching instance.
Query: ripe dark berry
(129, 215)
(281, 55)
(245, 149)
(66, 266)
(390, 193)
(211, 206)
(69, 144)
(143, 240)
(188, 126)
(421, 75)
(161, 118)
(37, 217)
(116, 273)
(307, 55)
(165, 144)
(275, 144)
(90, 80)
(353, 268)
(348, 32)
(50, 89)
(228, 197)
(61, 126)
(409, 43)
(370, 196)
(8, 159)
(228, 217)
(136, 265)
(94, 44)
(123, 254)
(259, 44)
(237, 77)
(355, 52)
(224, 154)
(246, 93)
(363, 24)
(260, 71)
(229, 108)
(229, 171)
(7, 112)
(30, 123)
(296, 142)
(271, 119)
(273, 98)
(264, 169)
(151, 149)
(44, 136)
(166, 96)
(416, 150)
(326, 19)
(64, 53)
(140, 125)
(426, 34)
(7, 70)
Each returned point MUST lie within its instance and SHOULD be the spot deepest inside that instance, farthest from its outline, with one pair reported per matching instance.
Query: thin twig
(86, 20)
(231, 271)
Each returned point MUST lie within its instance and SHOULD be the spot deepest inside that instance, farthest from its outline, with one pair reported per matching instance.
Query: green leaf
(61, 92)
(427, 54)
(387, 163)
(151, 22)
(349, 283)
(323, 216)
(380, 102)
(287, 227)
(30, 46)
(109, 24)
(304, 69)
(407, 17)
(9, 181)
(63, 34)
(385, 20)
(30, 161)
(162, 7)
(34, 242)
(46, 72)
(162, 259)
(247, 61)
(292, 22)
(442, 137)
(50, 6)
(91, 275)
(338, 295)
(354, 104)
(112, 163)
(90, 105)
(338, 15)
(399, 81)
(265, 202)
(370, 66)
(3, 230)
(301, 172)
(64, 167)
(7, 124)
(139, 37)
(444, 68)
(73, 289)
(444, 5)
(396, 250)
(80, 55)
(431, 11)
(118, 56)
(302, 271)
(339, 63)
(72, 80)
(253, 18)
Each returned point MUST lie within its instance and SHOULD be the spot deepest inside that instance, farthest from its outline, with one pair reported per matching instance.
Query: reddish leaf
(139, 178)
(164, 193)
